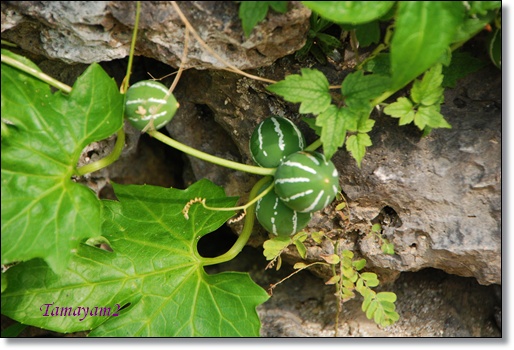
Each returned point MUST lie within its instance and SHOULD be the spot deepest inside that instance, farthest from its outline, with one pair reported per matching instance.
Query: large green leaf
(423, 31)
(352, 12)
(44, 213)
(154, 267)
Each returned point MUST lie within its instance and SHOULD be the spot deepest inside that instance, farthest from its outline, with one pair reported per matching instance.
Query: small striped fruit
(306, 181)
(274, 139)
(279, 219)
(149, 100)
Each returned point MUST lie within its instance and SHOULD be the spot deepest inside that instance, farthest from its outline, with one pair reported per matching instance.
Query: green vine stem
(314, 146)
(245, 233)
(247, 205)
(210, 158)
(106, 161)
(126, 81)
(35, 73)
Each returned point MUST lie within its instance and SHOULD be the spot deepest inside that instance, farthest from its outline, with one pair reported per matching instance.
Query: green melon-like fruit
(279, 219)
(274, 139)
(306, 181)
(149, 100)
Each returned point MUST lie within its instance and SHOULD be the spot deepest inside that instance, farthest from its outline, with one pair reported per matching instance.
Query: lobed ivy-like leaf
(44, 213)
(154, 270)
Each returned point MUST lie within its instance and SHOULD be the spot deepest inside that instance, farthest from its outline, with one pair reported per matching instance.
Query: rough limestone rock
(94, 31)
(438, 198)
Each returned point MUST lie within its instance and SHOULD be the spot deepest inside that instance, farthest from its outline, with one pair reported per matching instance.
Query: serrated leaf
(403, 109)
(310, 89)
(423, 31)
(356, 145)
(428, 91)
(333, 129)
(273, 247)
(154, 267)
(359, 89)
(353, 12)
(365, 124)
(430, 116)
(44, 213)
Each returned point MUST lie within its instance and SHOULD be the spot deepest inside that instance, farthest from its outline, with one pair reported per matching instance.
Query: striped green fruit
(306, 181)
(279, 219)
(149, 100)
(274, 139)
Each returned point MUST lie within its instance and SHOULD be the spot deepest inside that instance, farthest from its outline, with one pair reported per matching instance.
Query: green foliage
(423, 32)
(44, 213)
(154, 267)
(352, 12)
(423, 108)
(310, 89)
(348, 276)
(319, 44)
(462, 64)
(417, 46)
(252, 12)
(154, 279)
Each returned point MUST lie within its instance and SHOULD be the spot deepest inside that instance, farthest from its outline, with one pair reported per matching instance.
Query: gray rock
(94, 31)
